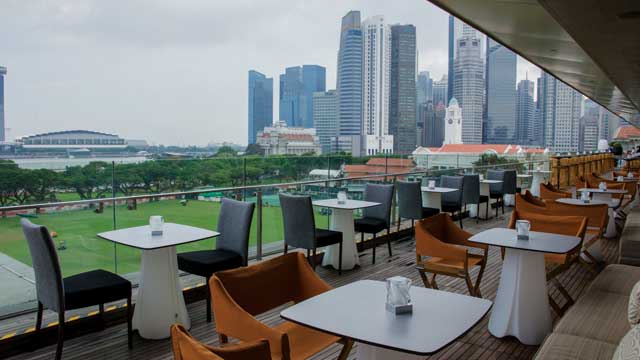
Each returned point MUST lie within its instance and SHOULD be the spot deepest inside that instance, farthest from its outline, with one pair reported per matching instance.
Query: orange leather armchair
(523, 203)
(529, 197)
(557, 263)
(549, 192)
(186, 347)
(446, 245)
(241, 294)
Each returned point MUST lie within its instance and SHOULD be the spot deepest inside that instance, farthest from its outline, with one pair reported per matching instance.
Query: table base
(432, 200)
(370, 352)
(160, 302)
(342, 220)
(521, 307)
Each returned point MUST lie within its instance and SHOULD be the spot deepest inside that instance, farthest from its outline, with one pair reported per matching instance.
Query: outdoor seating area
(542, 254)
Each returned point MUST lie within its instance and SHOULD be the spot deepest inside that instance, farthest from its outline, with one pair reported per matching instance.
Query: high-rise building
(297, 86)
(376, 85)
(440, 90)
(561, 115)
(424, 88)
(525, 113)
(606, 120)
(349, 77)
(538, 130)
(453, 126)
(588, 135)
(402, 95)
(325, 118)
(433, 118)
(260, 104)
(451, 50)
(468, 84)
(458, 29)
(3, 72)
(500, 125)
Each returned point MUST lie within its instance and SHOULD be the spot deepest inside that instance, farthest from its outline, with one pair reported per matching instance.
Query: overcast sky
(175, 71)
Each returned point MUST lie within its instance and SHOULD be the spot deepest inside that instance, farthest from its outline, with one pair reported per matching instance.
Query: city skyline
(167, 73)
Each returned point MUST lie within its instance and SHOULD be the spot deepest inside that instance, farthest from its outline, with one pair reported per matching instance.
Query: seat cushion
(93, 288)
(450, 266)
(597, 315)
(305, 342)
(569, 347)
(484, 199)
(207, 262)
(427, 212)
(617, 279)
(369, 225)
(327, 237)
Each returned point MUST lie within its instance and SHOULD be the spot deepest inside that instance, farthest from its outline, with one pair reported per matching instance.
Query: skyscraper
(453, 123)
(561, 114)
(452, 46)
(525, 113)
(402, 96)
(589, 121)
(376, 85)
(260, 103)
(349, 81)
(440, 91)
(500, 126)
(325, 118)
(433, 118)
(424, 87)
(3, 72)
(297, 86)
(468, 84)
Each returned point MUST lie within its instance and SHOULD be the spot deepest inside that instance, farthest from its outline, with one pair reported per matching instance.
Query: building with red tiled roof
(464, 155)
(379, 166)
(627, 132)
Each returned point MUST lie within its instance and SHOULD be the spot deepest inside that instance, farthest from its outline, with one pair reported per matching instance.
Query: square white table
(521, 307)
(606, 196)
(342, 220)
(160, 302)
(357, 311)
(432, 197)
(539, 176)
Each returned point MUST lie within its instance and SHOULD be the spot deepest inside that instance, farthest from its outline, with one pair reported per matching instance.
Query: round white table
(605, 196)
(160, 302)
(342, 220)
(521, 306)
(539, 176)
(432, 197)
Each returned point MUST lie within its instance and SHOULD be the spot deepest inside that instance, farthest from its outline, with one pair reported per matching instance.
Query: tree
(91, 181)
(40, 184)
(254, 149)
(226, 151)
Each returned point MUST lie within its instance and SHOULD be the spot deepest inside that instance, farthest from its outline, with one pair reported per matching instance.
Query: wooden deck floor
(477, 344)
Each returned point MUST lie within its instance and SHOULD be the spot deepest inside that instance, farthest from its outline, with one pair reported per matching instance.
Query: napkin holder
(398, 296)
(400, 309)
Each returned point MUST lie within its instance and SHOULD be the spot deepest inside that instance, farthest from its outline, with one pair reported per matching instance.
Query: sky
(174, 72)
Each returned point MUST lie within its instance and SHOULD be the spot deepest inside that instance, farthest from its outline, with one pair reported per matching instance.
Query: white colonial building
(453, 123)
(282, 140)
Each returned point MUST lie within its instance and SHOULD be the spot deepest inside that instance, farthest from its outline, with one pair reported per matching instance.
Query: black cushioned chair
(496, 191)
(510, 179)
(451, 202)
(471, 193)
(58, 294)
(232, 246)
(410, 203)
(377, 218)
(300, 228)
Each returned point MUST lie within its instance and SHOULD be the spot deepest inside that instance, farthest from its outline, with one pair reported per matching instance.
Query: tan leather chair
(529, 197)
(523, 203)
(241, 294)
(446, 245)
(556, 263)
(549, 192)
(186, 347)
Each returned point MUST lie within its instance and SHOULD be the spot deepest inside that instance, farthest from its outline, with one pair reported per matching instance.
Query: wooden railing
(566, 170)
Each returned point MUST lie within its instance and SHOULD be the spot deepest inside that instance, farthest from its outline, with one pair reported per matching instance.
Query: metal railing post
(259, 226)
(113, 206)
(244, 178)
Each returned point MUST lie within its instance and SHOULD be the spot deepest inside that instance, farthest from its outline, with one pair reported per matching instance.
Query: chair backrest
(46, 266)
(549, 192)
(453, 182)
(597, 214)
(379, 193)
(471, 189)
(524, 205)
(298, 220)
(510, 178)
(496, 175)
(529, 197)
(271, 283)
(409, 199)
(555, 224)
(234, 226)
(185, 347)
(435, 230)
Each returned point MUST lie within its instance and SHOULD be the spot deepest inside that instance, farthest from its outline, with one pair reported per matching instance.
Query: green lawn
(85, 251)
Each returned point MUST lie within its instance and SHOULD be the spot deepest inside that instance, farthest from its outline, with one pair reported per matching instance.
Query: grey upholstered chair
(58, 294)
(232, 246)
(510, 179)
(300, 228)
(496, 191)
(410, 203)
(451, 202)
(471, 193)
(377, 218)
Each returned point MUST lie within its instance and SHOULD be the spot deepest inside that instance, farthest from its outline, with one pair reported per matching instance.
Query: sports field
(85, 251)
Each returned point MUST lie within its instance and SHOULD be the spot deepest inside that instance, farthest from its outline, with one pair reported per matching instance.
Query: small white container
(156, 223)
(431, 184)
(602, 185)
(342, 197)
(522, 229)
(398, 295)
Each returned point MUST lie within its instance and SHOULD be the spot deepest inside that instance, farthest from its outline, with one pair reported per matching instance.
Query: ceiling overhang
(593, 46)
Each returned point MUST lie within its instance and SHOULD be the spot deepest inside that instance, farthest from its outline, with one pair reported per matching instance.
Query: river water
(61, 163)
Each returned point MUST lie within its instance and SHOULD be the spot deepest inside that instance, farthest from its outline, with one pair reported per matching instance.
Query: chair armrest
(429, 245)
(458, 236)
(234, 321)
